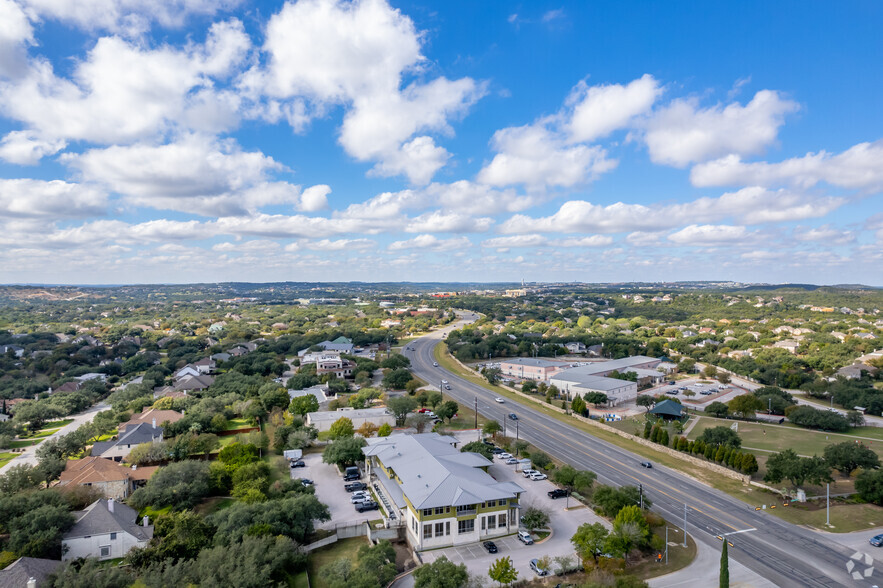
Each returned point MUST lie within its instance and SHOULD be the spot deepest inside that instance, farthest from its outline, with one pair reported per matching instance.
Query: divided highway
(785, 554)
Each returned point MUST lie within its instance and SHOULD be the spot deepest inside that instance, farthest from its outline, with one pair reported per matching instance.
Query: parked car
(528, 472)
(500, 400)
(352, 473)
(525, 537)
(488, 443)
(306, 482)
(877, 540)
(512, 461)
(557, 493)
(513, 416)
(538, 476)
(355, 486)
(497, 451)
(672, 383)
(363, 506)
(298, 464)
(504, 455)
(535, 566)
(422, 410)
(357, 497)
(646, 464)
(490, 546)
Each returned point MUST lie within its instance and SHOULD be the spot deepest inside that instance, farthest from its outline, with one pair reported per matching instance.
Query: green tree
(632, 514)
(869, 485)
(179, 485)
(589, 541)
(400, 407)
(273, 396)
(447, 410)
(442, 573)
(502, 571)
(385, 430)
(745, 405)
(646, 401)
(721, 436)
(535, 518)
(847, 456)
(491, 428)
(479, 448)
(725, 566)
(302, 405)
(397, 379)
(341, 428)
(39, 533)
(344, 452)
(717, 409)
(578, 406)
(540, 459)
(595, 398)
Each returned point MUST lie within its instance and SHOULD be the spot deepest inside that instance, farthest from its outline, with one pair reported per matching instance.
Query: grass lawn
(56, 424)
(155, 512)
(465, 419)
(774, 438)
(344, 548)
(748, 494)
(6, 457)
(234, 424)
(299, 580)
(24, 443)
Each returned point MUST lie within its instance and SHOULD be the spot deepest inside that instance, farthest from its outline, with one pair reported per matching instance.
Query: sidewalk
(705, 571)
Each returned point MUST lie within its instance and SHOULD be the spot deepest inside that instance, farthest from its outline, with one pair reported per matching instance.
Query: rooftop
(108, 516)
(433, 472)
(326, 416)
(533, 362)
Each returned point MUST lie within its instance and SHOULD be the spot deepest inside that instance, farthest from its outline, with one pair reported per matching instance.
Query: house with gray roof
(118, 449)
(443, 496)
(105, 529)
(24, 569)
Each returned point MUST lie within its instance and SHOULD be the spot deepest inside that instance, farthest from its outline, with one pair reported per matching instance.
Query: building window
(448, 509)
(439, 529)
(439, 510)
(448, 528)
(113, 536)
(492, 522)
(502, 520)
(482, 523)
(427, 512)
(467, 526)
(104, 551)
(465, 508)
(491, 503)
(427, 531)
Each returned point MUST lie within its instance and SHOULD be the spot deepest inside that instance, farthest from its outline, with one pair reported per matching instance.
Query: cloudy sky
(217, 140)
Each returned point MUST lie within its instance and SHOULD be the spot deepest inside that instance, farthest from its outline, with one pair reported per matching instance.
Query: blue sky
(204, 140)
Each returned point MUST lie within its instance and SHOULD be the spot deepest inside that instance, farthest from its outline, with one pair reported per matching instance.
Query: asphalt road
(785, 554)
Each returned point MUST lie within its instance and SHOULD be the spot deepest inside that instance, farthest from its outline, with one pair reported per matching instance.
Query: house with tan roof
(107, 476)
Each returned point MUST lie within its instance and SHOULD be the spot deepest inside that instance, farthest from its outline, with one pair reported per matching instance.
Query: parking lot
(329, 489)
(563, 524)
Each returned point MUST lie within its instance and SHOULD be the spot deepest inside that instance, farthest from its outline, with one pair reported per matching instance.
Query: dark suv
(557, 493)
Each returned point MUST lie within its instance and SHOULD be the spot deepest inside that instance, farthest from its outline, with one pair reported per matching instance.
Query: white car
(444, 381)
(512, 461)
(505, 455)
(500, 400)
(435, 364)
(527, 473)
(538, 476)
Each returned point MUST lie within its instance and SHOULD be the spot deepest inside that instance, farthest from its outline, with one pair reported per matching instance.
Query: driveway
(29, 455)
(705, 571)
(329, 489)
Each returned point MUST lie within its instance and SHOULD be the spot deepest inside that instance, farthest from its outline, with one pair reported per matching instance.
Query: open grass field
(773, 438)
(344, 548)
(56, 424)
(6, 457)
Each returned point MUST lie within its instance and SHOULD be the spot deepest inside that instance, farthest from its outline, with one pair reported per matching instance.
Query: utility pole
(641, 490)
(476, 414)
(828, 505)
(516, 430)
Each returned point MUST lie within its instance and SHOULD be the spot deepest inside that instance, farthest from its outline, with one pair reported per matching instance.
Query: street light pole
(685, 524)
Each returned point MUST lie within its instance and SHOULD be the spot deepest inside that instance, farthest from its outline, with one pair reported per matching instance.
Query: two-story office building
(443, 497)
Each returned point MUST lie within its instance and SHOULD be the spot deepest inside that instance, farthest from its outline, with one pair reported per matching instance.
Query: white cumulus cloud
(430, 243)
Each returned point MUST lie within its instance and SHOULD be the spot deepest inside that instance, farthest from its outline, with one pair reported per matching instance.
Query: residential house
(789, 345)
(341, 345)
(575, 347)
(188, 383)
(531, 368)
(220, 357)
(152, 415)
(378, 416)
(110, 478)
(28, 572)
(118, 449)
(187, 370)
(854, 371)
(444, 497)
(105, 529)
(14, 349)
(206, 365)
(320, 392)
(334, 364)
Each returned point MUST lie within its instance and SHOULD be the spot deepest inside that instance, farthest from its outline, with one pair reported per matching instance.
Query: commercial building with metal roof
(592, 377)
(444, 497)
